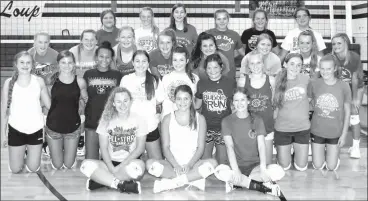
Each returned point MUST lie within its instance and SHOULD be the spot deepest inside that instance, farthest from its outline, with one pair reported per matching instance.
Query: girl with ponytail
(143, 85)
(21, 113)
(309, 51)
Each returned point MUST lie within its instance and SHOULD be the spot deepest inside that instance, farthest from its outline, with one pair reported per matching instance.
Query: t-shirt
(227, 41)
(293, 116)
(99, 86)
(216, 100)
(306, 68)
(290, 42)
(245, 141)
(145, 39)
(45, 66)
(111, 37)
(250, 36)
(165, 93)
(272, 64)
(163, 65)
(201, 72)
(83, 60)
(328, 116)
(187, 39)
(122, 135)
(141, 105)
(354, 65)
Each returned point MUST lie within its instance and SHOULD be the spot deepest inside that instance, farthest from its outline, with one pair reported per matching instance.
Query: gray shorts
(58, 136)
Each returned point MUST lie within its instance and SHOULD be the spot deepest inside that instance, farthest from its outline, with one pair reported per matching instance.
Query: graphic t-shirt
(122, 135)
(83, 61)
(201, 72)
(306, 68)
(187, 39)
(141, 105)
(111, 37)
(328, 116)
(99, 86)
(216, 101)
(272, 64)
(227, 41)
(354, 65)
(290, 42)
(165, 93)
(145, 40)
(293, 116)
(45, 66)
(163, 65)
(250, 36)
(245, 140)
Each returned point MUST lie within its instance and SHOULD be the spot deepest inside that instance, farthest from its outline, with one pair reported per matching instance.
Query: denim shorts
(58, 136)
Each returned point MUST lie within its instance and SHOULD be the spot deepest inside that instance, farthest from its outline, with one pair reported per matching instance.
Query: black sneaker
(130, 187)
(92, 185)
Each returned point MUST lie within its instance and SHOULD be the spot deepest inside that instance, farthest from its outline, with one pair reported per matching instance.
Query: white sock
(180, 180)
(356, 143)
(114, 183)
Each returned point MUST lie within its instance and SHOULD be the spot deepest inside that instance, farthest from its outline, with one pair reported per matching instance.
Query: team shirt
(145, 40)
(111, 37)
(187, 39)
(83, 60)
(354, 65)
(45, 66)
(163, 65)
(250, 36)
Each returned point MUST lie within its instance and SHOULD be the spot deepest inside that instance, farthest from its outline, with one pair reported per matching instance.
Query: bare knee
(16, 170)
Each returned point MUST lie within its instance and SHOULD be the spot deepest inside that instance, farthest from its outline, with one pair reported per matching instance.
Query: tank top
(261, 102)
(124, 68)
(25, 109)
(183, 140)
(63, 116)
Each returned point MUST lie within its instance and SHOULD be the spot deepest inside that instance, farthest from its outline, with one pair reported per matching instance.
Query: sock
(356, 143)
(114, 183)
(180, 180)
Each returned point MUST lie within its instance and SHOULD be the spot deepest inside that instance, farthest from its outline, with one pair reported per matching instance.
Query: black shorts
(286, 138)
(321, 140)
(17, 138)
(153, 135)
(115, 163)
(246, 170)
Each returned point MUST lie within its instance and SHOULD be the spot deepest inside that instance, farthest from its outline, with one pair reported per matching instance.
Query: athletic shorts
(321, 140)
(58, 136)
(214, 136)
(246, 170)
(153, 135)
(17, 138)
(115, 163)
(286, 138)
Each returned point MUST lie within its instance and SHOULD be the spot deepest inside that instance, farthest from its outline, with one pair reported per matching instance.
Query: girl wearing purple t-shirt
(330, 122)
(309, 50)
(108, 31)
(292, 126)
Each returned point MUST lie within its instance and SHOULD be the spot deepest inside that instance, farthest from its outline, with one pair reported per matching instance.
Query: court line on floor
(50, 187)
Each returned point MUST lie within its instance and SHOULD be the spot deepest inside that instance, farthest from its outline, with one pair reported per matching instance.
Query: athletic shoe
(354, 152)
(81, 147)
(163, 185)
(229, 187)
(271, 188)
(92, 185)
(130, 187)
(200, 184)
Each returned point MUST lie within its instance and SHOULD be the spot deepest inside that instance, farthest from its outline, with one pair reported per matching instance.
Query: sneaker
(81, 151)
(271, 188)
(92, 185)
(130, 187)
(199, 184)
(163, 185)
(229, 187)
(46, 150)
(354, 152)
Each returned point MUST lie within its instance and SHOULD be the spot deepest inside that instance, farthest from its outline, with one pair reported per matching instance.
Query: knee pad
(270, 136)
(337, 166)
(134, 170)
(276, 172)
(82, 118)
(299, 168)
(88, 167)
(156, 169)
(53, 167)
(286, 168)
(321, 168)
(31, 170)
(206, 169)
(354, 119)
(223, 172)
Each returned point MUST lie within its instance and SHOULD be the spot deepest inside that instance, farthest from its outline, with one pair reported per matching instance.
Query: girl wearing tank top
(143, 85)
(22, 120)
(63, 123)
(124, 50)
(183, 139)
(260, 88)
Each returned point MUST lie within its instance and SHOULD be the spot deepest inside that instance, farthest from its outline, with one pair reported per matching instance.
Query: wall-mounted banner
(11, 10)
(276, 9)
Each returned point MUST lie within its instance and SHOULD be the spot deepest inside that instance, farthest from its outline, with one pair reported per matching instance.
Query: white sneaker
(354, 152)
(275, 188)
(163, 185)
(81, 151)
(229, 187)
(200, 184)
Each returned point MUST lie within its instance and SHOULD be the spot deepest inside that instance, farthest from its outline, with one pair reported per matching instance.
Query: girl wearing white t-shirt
(142, 84)
(181, 75)
(290, 44)
(122, 136)
(146, 35)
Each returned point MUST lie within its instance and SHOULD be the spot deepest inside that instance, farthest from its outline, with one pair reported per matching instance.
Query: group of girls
(174, 95)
